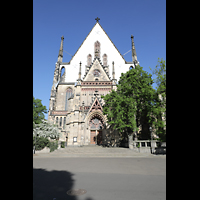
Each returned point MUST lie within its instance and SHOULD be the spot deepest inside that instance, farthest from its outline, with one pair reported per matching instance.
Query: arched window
(104, 60)
(64, 122)
(68, 95)
(62, 74)
(131, 67)
(89, 60)
(60, 121)
(62, 71)
(97, 49)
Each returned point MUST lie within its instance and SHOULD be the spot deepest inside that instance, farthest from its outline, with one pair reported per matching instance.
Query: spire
(79, 74)
(60, 54)
(113, 70)
(134, 56)
(114, 81)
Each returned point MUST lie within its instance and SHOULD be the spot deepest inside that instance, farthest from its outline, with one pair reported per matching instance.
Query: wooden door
(93, 137)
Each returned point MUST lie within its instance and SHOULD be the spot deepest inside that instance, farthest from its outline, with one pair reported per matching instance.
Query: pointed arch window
(97, 49)
(64, 123)
(104, 60)
(68, 95)
(60, 121)
(62, 71)
(131, 67)
(62, 74)
(89, 60)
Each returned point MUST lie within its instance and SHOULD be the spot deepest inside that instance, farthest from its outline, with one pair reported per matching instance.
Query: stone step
(92, 151)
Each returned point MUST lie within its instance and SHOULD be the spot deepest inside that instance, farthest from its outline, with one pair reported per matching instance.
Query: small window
(64, 122)
(56, 120)
(131, 67)
(74, 139)
(60, 121)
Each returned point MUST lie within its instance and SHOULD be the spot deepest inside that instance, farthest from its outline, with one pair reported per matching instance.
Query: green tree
(131, 105)
(40, 143)
(38, 111)
(160, 108)
(44, 131)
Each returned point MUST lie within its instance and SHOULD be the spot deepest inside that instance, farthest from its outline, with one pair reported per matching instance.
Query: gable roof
(96, 105)
(87, 37)
(92, 67)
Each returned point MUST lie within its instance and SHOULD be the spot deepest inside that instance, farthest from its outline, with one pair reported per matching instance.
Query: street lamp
(150, 128)
(35, 142)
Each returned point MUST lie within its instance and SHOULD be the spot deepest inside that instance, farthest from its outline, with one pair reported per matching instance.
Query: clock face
(96, 72)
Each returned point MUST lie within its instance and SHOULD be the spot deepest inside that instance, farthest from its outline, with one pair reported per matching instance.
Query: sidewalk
(93, 151)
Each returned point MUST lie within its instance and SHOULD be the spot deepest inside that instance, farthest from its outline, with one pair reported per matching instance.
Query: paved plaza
(135, 177)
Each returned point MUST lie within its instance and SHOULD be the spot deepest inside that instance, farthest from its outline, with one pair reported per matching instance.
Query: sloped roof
(87, 37)
(96, 105)
(96, 58)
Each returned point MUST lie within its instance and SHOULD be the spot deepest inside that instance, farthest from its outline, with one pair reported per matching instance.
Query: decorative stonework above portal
(96, 70)
(96, 106)
(104, 83)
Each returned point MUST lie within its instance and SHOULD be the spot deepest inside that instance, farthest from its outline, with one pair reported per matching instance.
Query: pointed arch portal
(96, 124)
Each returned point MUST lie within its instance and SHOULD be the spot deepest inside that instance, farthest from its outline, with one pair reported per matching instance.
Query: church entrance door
(96, 137)
(96, 130)
(93, 137)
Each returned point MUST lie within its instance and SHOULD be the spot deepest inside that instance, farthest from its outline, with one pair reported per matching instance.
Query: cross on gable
(97, 19)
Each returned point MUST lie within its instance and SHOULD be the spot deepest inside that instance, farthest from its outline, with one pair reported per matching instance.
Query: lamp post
(35, 143)
(150, 128)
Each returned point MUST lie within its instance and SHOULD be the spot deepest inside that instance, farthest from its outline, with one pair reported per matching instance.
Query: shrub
(52, 145)
(62, 144)
(41, 142)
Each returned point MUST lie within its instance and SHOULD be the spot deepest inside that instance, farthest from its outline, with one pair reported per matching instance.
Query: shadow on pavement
(52, 185)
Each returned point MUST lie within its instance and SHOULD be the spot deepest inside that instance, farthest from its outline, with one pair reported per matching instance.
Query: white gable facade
(75, 100)
(106, 47)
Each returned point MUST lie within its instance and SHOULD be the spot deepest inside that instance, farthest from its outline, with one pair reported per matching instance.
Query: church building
(75, 101)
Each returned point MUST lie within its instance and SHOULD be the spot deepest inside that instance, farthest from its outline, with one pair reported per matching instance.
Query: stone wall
(147, 146)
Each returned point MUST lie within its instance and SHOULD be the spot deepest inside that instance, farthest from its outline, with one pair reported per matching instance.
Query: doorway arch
(96, 124)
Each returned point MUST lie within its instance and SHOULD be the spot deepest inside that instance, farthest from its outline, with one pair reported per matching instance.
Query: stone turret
(56, 78)
(134, 55)
(60, 54)
(114, 81)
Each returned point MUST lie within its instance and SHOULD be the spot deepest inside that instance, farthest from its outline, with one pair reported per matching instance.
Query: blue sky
(145, 19)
